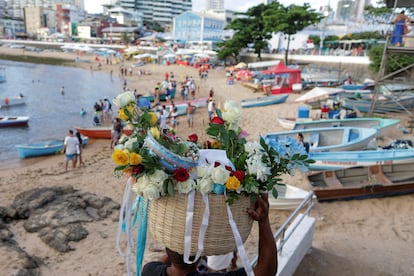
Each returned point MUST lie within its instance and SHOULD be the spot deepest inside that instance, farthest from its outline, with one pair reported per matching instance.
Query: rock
(57, 213)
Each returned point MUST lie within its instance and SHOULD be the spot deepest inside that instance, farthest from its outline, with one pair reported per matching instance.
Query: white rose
(204, 185)
(129, 143)
(186, 186)
(158, 178)
(124, 99)
(220, 175)
(142, 181)
(203, 171)
(151, 192)
(232, 113)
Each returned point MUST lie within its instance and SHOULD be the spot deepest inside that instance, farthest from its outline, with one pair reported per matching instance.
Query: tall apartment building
(214, 4)
(33, 20)
(15, 7)
(161, 11)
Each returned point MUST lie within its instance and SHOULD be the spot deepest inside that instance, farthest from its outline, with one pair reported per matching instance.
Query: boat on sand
(363, 182)
(100, 132)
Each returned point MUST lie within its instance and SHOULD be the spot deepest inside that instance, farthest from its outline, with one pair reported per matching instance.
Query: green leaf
(275, 194)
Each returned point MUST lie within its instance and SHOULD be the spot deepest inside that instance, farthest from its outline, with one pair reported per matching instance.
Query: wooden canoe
(13, 121)
(329, 139)
(100, 132)
(264, 101)
(363, 182)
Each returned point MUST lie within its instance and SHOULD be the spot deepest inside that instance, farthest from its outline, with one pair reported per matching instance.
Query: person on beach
(190, 115)
(116, 132)
(79, 150)
(173, 263)
(301, 141)
(70, 148)
(211, 108)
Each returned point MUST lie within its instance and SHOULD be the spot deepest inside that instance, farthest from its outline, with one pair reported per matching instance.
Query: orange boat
(100, 132)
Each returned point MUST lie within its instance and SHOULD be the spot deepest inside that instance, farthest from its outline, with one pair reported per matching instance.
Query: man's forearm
(267, 262)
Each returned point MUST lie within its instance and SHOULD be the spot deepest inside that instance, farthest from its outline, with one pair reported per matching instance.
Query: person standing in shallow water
(62, 90)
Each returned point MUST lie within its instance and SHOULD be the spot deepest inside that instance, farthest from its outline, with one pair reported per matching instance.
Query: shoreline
(360, 237)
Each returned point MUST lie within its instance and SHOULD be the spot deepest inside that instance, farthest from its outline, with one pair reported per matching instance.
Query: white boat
(384, 126)
(329, 139)
(289, 197)
(349, 159)
(12, 101)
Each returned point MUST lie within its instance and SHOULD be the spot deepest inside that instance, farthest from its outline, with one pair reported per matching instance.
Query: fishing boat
(100, 132)
(363, 182)
(326, 161)
(329, 139)
(289, 197)
(49, 147)
(12, 101)
(384, 126)
(264, 101)
(396, 103)
(13, 121)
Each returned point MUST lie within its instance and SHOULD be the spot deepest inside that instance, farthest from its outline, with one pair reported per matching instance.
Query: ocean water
(51, 113)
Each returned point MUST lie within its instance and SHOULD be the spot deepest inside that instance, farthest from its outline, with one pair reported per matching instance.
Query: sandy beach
(360, 237)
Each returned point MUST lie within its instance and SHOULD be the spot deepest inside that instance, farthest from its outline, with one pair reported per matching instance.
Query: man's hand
(261, 214)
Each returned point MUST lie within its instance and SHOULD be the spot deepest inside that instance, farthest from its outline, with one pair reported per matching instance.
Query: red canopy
(280, 68)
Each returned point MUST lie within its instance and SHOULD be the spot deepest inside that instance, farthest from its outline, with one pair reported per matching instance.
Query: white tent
(319, 93)
(145, 55)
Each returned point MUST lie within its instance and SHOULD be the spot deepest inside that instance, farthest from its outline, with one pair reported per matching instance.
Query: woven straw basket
(167, 218)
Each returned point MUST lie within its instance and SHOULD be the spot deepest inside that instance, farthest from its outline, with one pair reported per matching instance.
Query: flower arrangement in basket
(164, 169)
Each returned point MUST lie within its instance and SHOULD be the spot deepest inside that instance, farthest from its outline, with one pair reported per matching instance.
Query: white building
(214, 4)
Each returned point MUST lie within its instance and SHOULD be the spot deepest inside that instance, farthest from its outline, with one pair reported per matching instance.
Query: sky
(94, 6)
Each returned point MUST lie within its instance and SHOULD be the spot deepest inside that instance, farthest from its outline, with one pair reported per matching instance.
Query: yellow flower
(155, 132)
(120, 157)
(232, 183)
(215, 144)
(153, 118)
(122, 115)
(131, 108)
(135, 158)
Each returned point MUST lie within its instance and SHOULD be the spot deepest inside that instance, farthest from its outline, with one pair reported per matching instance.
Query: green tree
(394, 61)
(289, 20)
(248, 28)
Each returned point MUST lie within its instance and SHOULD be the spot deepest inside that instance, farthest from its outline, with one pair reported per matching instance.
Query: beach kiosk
(280, 79)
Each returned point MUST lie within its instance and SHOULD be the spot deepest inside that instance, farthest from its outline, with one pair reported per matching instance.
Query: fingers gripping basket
(167, 220)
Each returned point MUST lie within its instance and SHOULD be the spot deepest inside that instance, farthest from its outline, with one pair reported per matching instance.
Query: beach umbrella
(319, 93)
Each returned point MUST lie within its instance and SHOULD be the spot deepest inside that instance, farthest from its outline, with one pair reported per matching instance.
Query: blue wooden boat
(384, 126)
(397, 103)
(363, 182)
(329, 139)
(12, 101)
(264, 101)
(349, 159)
(50, 147)
(14, 121)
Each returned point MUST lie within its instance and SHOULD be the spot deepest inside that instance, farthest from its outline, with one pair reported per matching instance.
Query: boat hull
(363, 182)
(19, 121)
(329, 139)
(50, 147)
(349, 159)
(100, 132)
(263, 101)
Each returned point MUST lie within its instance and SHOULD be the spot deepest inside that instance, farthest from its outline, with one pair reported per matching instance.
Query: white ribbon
(239, 243)
(188, 228)
(125, 215)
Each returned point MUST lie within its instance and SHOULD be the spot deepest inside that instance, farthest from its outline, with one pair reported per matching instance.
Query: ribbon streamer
(239, 243)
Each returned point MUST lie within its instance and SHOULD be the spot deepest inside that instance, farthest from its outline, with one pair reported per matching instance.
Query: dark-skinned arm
(267, 260)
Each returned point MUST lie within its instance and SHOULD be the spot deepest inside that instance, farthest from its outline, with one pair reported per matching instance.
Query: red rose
(193, 138)
(181, 174)
(228, 168)
(136, 170)
(217, 121)
(216, 164)
(239, 175)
